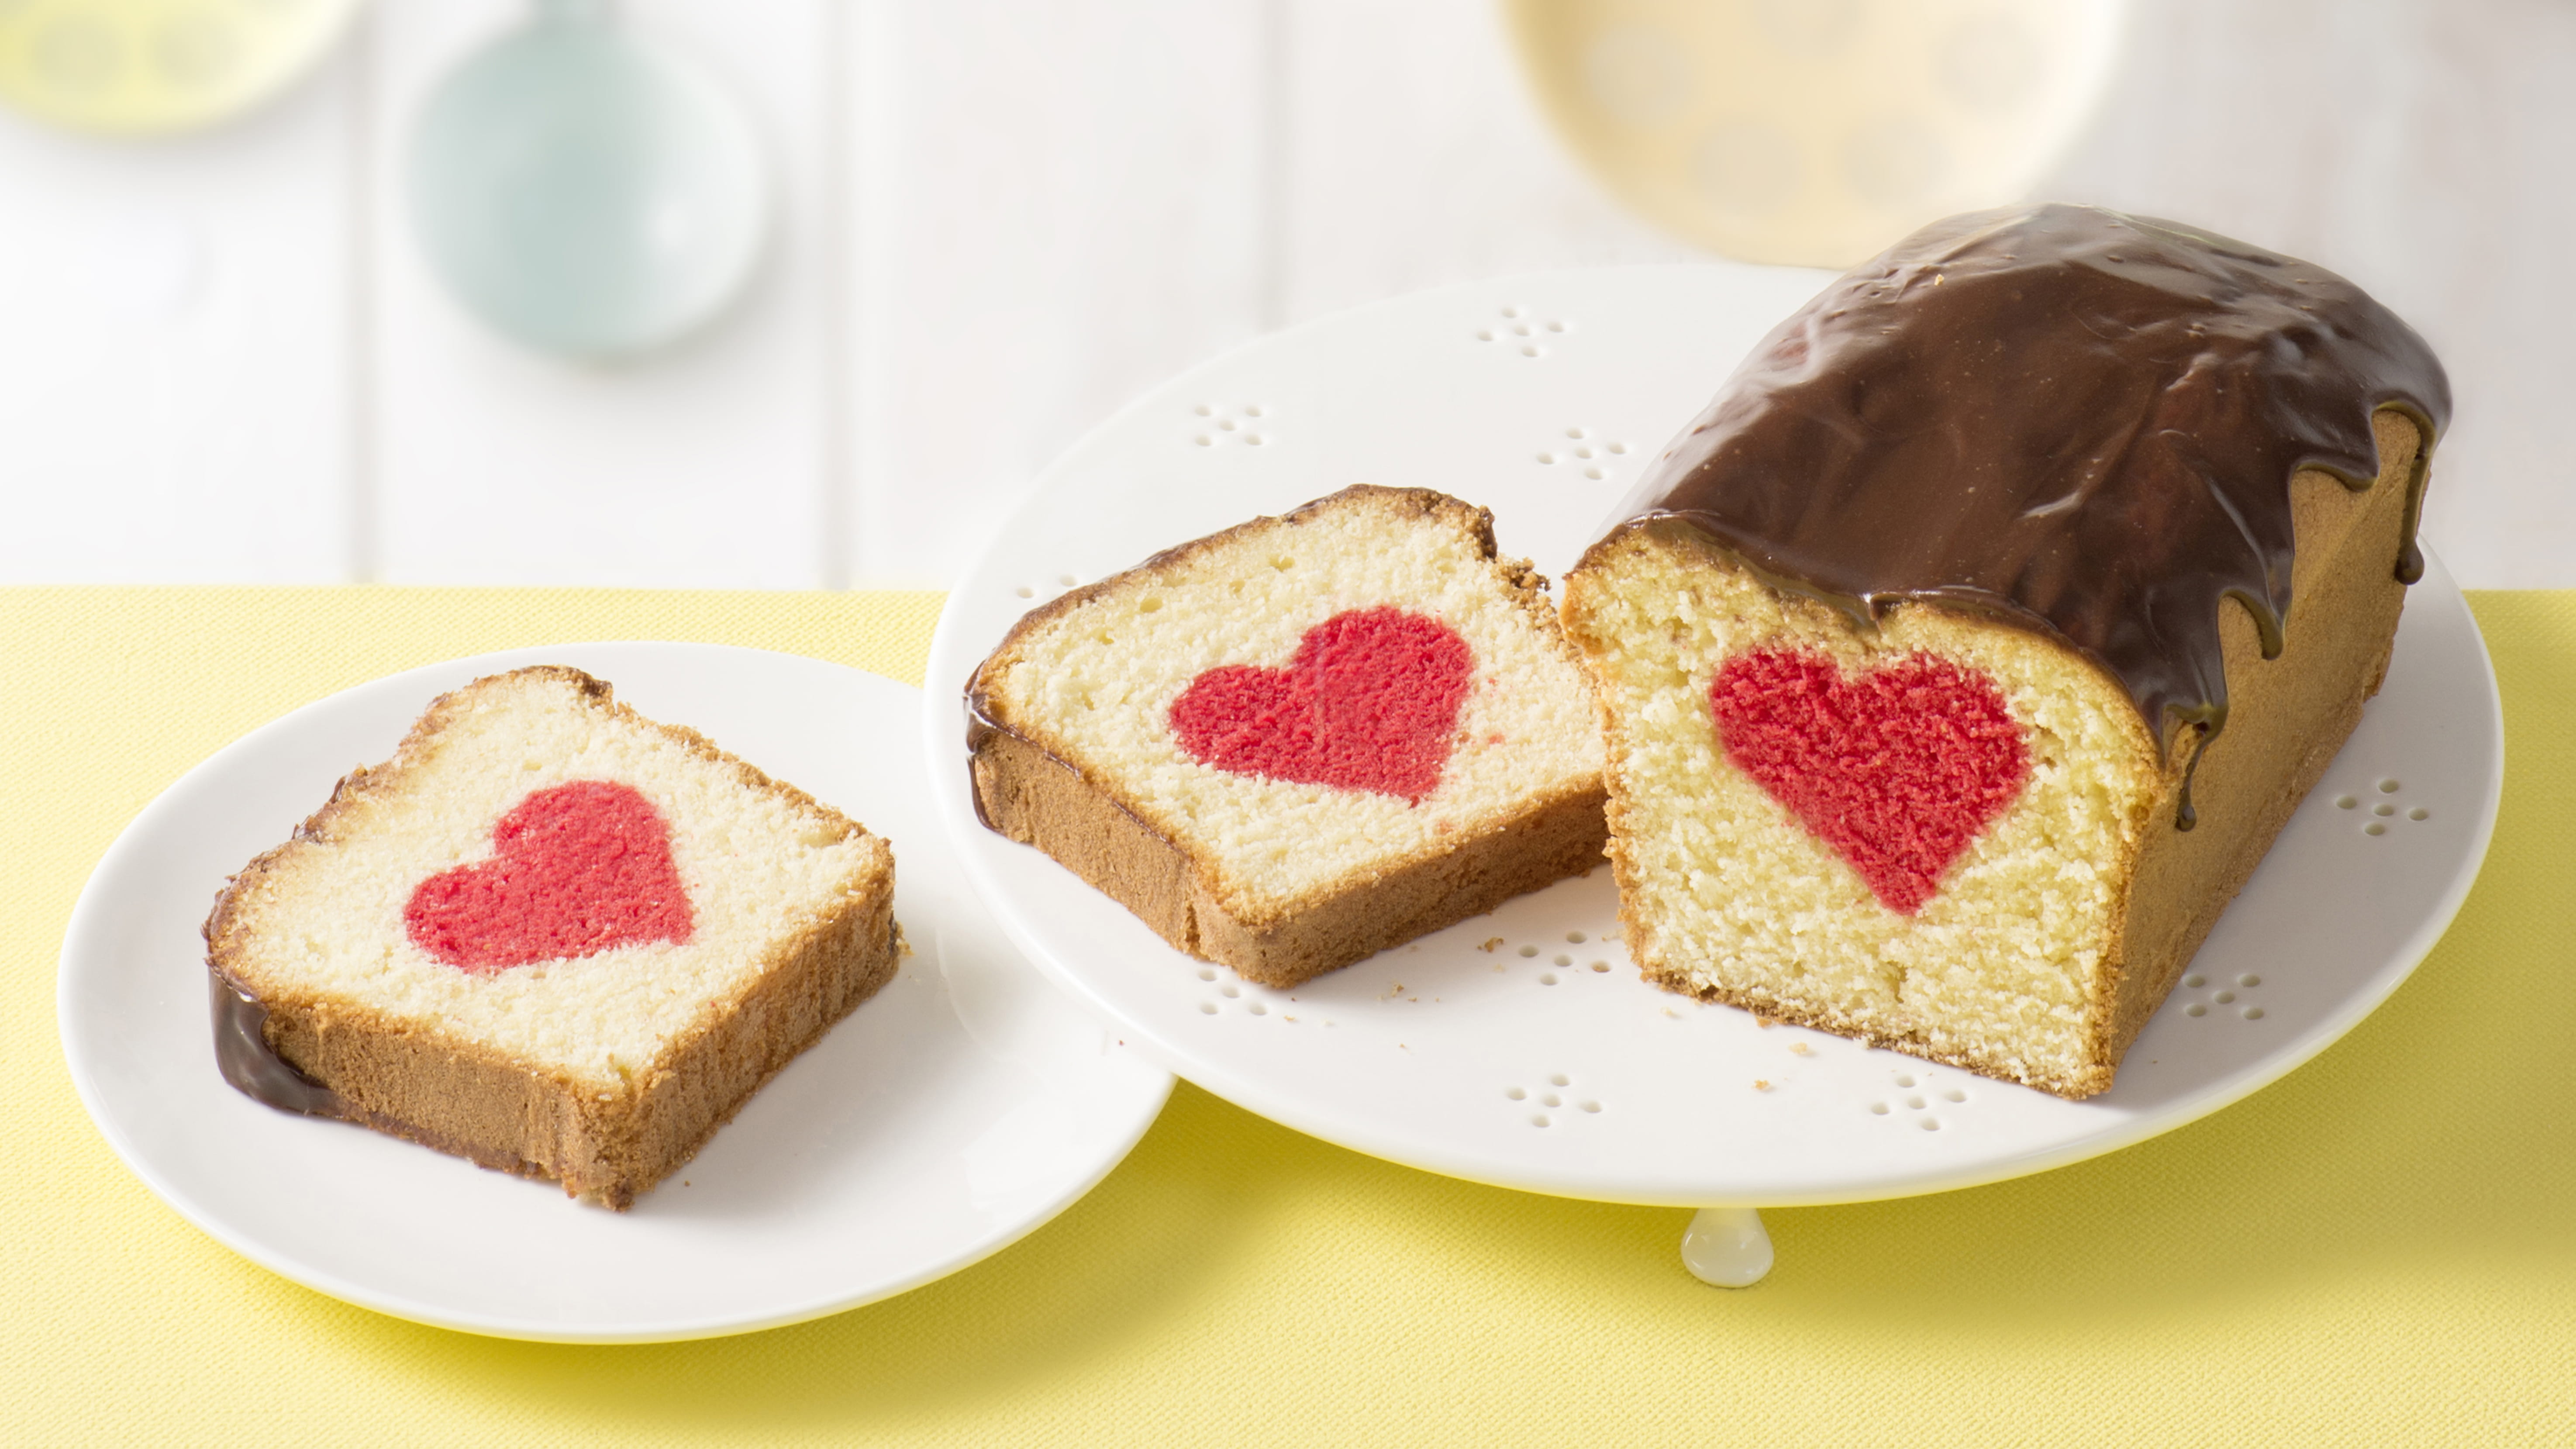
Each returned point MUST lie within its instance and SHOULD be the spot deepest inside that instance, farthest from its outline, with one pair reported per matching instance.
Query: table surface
(222, 360)
(2373, 1251)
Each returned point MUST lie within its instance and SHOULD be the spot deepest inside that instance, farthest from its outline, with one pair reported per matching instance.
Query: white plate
(960, 1108)
(1546, 1064)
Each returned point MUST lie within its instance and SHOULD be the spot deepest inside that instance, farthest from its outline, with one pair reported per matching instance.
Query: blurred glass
(1816, 131)
(140, 67)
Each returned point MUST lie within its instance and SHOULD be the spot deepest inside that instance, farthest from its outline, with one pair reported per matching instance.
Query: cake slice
(1293, 744)
(549, 935)
(1963, 659)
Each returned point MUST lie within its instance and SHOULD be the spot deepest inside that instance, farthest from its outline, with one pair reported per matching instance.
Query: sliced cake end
(549, 935)
(1964, 656)
(1293, 744)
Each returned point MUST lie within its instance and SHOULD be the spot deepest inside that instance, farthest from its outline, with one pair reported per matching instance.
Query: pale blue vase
(585, 191)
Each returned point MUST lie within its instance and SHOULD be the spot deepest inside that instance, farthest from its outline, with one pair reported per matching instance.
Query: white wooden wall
(221, 359)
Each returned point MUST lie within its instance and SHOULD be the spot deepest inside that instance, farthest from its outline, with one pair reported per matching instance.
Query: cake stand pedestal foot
(1726, 1246)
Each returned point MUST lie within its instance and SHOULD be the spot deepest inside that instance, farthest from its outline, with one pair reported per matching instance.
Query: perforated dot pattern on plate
(2379, 809)
(1582, 453)
(2201, 997)
(1552, 1091)
(1216, 424)
(1523, 331)
(1051, 586)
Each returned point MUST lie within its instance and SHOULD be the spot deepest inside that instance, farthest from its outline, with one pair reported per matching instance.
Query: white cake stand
(1520, 1048)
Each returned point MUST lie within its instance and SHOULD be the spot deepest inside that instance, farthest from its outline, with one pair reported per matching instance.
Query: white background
(221, 360)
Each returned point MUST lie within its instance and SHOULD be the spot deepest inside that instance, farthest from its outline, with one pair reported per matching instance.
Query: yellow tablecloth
(2379, 1250)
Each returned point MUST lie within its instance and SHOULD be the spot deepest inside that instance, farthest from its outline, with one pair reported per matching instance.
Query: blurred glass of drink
(1815, 131)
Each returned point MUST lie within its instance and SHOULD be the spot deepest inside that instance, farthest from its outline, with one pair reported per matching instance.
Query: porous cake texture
(1943, 834)
(1293, 744)
(554, 936)
(1967, 653)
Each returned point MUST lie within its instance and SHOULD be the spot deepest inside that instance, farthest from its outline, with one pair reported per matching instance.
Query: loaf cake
(550, 935)
(1963, 658)
(1293, 744)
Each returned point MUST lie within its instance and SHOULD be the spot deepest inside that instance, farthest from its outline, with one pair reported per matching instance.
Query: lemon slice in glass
(141, 67)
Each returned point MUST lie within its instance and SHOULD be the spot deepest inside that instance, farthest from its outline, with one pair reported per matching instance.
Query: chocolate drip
(2078, 422)
(243, 1055)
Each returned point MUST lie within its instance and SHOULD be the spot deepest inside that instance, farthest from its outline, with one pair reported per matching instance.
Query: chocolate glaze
(243, 1055)
(2078, 422)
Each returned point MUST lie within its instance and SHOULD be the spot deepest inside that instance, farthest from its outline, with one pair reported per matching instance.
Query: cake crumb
(1491, 946)
(1765, 1022)
(1760, 1085)
(1798, 1048)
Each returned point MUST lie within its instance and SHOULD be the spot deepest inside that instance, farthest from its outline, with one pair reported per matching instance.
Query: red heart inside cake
(1369, 702)
(1899, 769)
(577, 869)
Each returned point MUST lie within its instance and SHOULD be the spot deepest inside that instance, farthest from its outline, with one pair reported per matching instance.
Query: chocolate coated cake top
(2081, 422)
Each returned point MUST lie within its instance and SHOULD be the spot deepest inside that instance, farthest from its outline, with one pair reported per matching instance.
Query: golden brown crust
(469, 1099)
(1026, 787)
(1478, 522)
(2286, 720)
(464, 1098)
(1038, 800)
(2288, 717)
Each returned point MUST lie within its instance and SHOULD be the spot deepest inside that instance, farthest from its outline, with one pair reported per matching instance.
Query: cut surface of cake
(1293, 744)
(550, 935)
(1962, 660)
